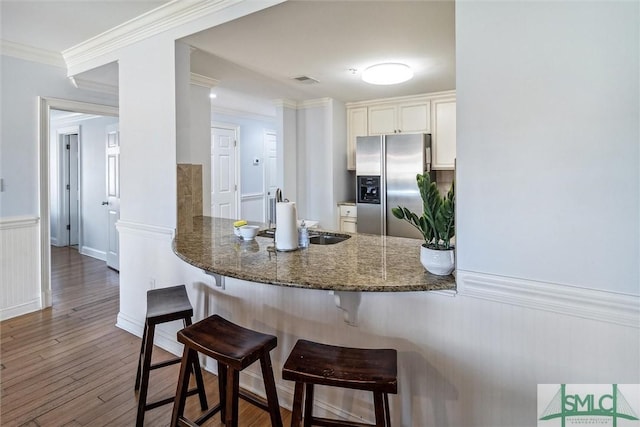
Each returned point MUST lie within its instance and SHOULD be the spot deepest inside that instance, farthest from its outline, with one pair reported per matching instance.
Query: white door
(113, 196)
(224, 181)
(270, 175)
(73, 189)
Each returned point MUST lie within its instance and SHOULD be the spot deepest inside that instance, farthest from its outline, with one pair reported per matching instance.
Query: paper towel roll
(286, 226)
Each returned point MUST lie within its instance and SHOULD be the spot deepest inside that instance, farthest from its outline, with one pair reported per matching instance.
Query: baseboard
(93, 253)
(161, 339)
(612, 307)
(20, 309)
(285, 397)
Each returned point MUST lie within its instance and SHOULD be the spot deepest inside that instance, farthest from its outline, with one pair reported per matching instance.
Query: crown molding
(30, 53)
(204, 81)
(156, 21)
(241, 113)
(285, 103)
(94, 86)
(313, 103)
(301, 105)
(431, 96)
(72, 118)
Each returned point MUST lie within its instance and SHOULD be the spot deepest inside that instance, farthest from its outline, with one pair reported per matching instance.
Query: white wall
(322, 177)
(548, 185)
(21, 83)
(201, 139)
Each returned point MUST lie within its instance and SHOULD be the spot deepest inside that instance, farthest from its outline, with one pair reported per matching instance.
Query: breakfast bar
(361, 263)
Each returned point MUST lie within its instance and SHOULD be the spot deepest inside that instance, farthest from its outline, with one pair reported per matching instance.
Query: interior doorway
(67, 221)
(224, 172)
(47, 185)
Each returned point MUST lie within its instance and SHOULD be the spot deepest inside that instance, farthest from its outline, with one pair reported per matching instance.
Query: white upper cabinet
(443, 135)
(433, 113)
(410, 117)
(356, 126)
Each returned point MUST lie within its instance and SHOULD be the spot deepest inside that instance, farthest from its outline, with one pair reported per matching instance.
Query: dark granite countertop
(364, 262)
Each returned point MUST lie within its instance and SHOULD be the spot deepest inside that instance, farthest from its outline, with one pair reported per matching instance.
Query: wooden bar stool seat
(163, 305)
(234, 348)
(312, 363)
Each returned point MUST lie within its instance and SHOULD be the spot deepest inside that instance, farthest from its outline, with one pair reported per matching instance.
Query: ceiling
(58, 25)
(330, 41)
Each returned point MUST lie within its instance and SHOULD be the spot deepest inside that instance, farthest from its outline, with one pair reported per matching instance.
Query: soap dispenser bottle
(303, 235)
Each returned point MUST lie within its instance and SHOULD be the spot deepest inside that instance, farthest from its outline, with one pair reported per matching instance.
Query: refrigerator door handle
(427, 159)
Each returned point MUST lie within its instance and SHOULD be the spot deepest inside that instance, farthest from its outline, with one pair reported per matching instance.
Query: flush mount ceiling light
(387, 74)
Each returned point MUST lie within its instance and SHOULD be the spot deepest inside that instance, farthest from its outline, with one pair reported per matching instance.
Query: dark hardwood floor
(69, 365)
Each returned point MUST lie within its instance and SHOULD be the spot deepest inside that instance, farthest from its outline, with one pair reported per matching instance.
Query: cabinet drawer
(348, 211)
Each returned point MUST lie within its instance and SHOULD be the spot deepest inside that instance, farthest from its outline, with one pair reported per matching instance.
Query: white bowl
(248, 232)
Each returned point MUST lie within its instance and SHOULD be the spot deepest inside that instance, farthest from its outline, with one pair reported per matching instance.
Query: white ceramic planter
(437, 262)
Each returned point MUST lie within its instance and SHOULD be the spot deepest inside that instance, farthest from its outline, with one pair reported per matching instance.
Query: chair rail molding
(611, 307)
(145, 230)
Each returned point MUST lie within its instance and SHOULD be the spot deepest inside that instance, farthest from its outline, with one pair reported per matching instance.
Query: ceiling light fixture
(387, 74)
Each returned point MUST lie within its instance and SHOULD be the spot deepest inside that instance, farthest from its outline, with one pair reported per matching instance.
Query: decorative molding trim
(204, 81)
(314, 103)
(241, 113)
(145, 230)
(611, 307)
(301, 105)
(409, 98)
(18, 222)
(285, 103)
(19, 310)
(252, 196)
(34, 54)
(161, 338)
(166, 17)
(93, 253)
(94, 86)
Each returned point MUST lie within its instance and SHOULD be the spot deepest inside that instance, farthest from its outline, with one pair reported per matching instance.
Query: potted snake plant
(436, 224)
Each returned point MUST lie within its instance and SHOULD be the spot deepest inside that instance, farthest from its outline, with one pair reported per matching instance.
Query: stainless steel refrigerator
(386, 169)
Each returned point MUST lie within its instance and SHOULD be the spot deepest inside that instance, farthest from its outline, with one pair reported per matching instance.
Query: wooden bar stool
(234, 348)
(312, 363)
(164, 305)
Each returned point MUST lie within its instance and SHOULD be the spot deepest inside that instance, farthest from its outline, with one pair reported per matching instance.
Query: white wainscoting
(471, 359)
(613, 307)
(19, 266)
(146, 262)
(252, 207)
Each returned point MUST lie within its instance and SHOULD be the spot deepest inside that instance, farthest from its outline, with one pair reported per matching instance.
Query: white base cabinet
(347, 217)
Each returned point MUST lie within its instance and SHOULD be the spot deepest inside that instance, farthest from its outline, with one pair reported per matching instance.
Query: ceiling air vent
(306, 80)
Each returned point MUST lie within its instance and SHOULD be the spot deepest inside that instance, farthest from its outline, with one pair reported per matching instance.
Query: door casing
(46, 104)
